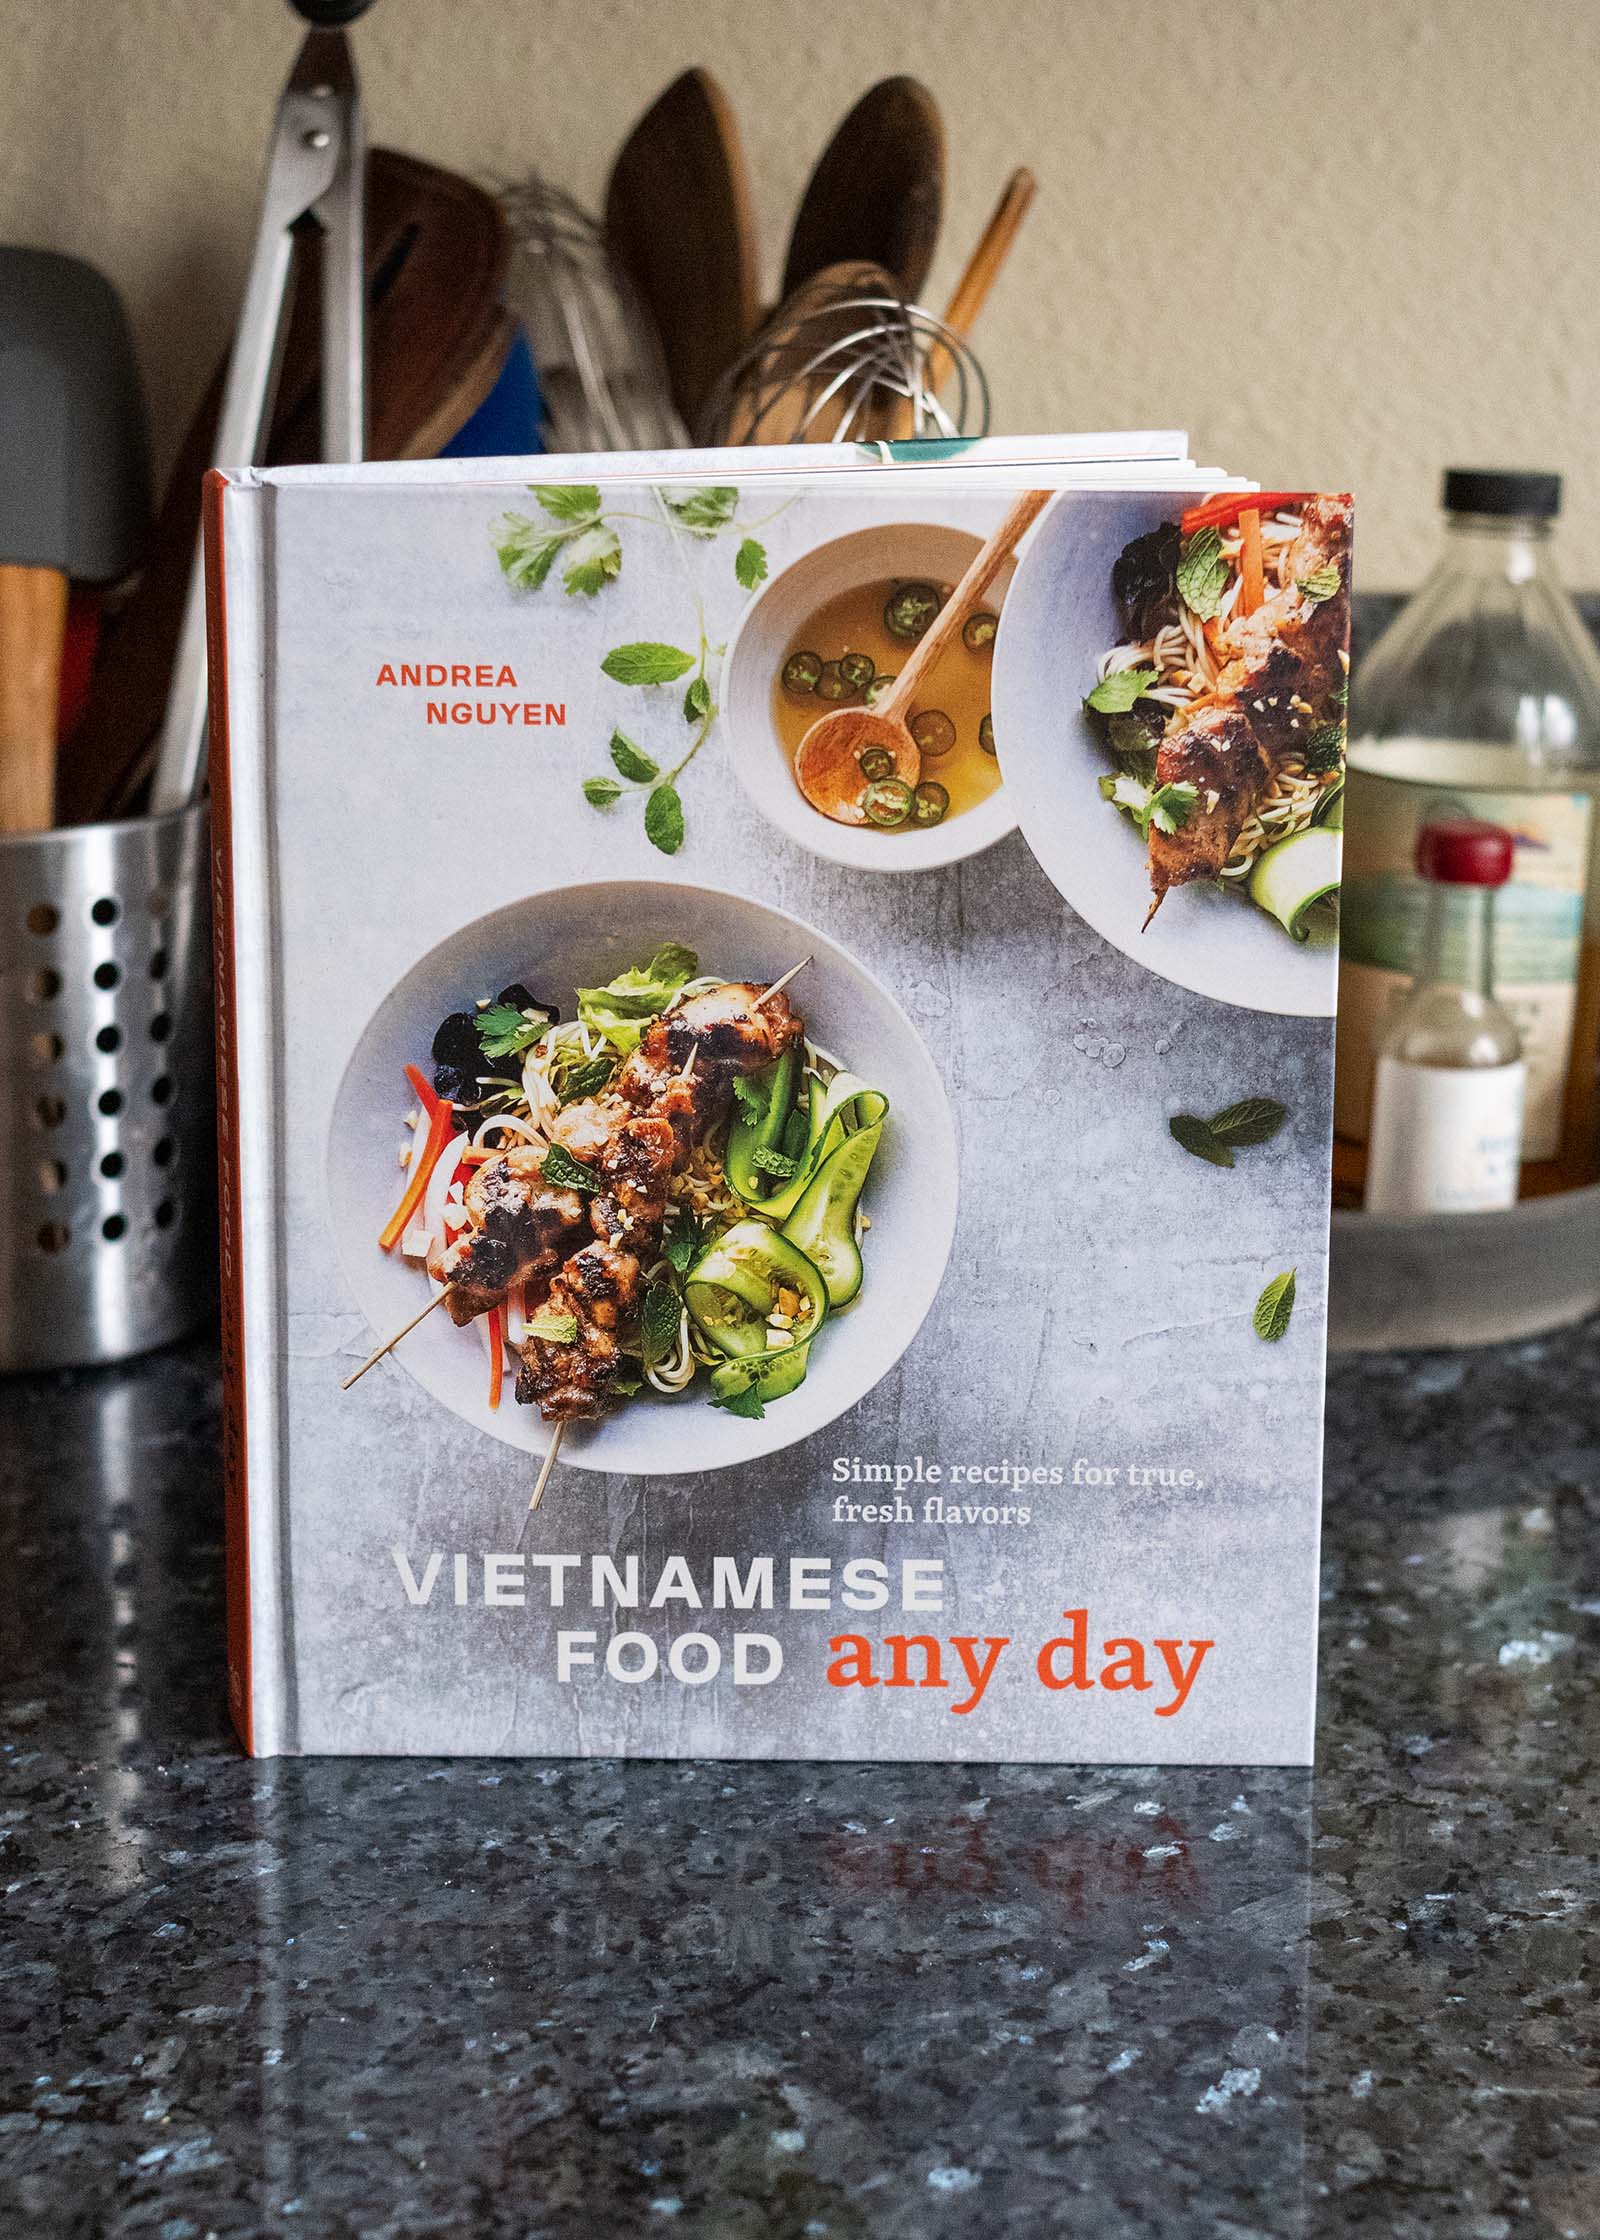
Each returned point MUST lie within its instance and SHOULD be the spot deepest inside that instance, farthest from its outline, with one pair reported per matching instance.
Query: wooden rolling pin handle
(33, 622)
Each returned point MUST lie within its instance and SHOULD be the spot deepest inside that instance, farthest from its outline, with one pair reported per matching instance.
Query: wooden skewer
(543, 1478)
(972, 289)
(777, 986)
(389, 1344)
(983, 266)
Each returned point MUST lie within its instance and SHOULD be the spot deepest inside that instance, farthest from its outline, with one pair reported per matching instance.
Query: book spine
(235, 1453)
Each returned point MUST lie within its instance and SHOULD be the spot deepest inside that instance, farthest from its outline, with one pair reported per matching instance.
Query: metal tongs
(316, 169)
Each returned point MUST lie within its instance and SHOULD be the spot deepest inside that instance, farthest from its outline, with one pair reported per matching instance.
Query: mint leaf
(704, 512)
(1251, 1120)
(601, 792)
(625, 1386)
(1171, 806)
(631, 761)
(562, 1172)
(554, 1329)
(681, 1246)
(568, 501)
(1135, 750)
(1274, 1307)
(647, 663)
(776, 1163)
(587, 1080)
(1199, 1139)
(592, 562)
(505, 1032)
(663, 819)
(1324, 749)
(750, 563)
(1202, 573)
(1322, 583)
(745, 1403)
(526, 552)
(696, 700)
(660, 1321)
(1115, 695)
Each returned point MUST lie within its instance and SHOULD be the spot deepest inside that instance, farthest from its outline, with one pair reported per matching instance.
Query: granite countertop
(395, 1998)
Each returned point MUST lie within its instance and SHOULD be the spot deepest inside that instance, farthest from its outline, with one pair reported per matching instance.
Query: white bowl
(582, 936)
(1060, 617)
(760, 758)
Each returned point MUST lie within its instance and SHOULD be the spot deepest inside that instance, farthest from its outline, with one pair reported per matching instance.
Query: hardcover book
(776, 1031)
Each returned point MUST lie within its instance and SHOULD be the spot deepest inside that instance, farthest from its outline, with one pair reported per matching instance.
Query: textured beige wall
(1342, 241)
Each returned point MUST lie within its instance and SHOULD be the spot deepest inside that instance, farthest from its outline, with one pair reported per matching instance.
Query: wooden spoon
(877, 190)
(827, 763)
(678, 218)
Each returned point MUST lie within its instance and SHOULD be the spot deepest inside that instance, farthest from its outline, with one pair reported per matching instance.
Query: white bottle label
(1445, 1139)
(1538, 927)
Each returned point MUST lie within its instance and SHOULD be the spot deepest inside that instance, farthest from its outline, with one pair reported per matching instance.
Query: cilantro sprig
(504, 1031)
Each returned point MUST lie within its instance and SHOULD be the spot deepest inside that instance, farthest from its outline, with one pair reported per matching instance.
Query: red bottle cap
(1465, 852)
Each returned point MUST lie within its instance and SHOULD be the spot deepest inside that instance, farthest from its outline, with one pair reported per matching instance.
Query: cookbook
(775, 1029)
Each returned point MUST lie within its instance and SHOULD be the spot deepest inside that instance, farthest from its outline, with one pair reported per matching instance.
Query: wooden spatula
(877, 192)
(678, 219)
(437, 336)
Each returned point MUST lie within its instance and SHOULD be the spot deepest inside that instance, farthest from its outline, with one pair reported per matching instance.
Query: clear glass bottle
(1448, 1095)
(1482, 700)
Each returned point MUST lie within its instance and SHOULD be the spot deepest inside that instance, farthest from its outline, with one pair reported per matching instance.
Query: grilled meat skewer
(1219, 754)
(641, 1132)
(601, 1288)
(521, 1231)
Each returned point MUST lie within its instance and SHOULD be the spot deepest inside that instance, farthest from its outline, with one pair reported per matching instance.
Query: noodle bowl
(1187, 670)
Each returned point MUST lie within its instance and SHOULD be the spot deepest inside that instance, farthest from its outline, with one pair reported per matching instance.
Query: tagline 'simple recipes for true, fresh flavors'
(665, 1186)
(847, 654)
(1223, 709)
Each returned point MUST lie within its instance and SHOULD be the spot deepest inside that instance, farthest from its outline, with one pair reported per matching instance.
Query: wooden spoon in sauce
(827, 762)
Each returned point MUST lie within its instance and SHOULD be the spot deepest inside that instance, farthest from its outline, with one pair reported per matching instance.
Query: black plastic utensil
(74, 493)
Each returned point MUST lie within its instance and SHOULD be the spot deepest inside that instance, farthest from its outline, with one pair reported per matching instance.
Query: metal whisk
(600, 368)
(847, 358)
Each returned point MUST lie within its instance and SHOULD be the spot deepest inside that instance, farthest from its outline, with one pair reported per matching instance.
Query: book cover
(806, 996)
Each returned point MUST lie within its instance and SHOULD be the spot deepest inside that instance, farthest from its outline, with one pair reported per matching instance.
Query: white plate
(582, 936)
(761, 760)
(1058, 619)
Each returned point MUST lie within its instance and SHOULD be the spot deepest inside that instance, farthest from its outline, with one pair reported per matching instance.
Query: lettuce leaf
(619, 1010)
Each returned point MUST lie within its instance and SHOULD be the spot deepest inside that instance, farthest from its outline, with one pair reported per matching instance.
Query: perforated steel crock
(107, 1094)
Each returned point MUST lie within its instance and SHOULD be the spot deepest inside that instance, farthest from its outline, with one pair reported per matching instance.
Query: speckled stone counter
(400, 1998)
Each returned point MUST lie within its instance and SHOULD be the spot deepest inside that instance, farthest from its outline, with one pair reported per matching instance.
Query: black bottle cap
(1500, 490)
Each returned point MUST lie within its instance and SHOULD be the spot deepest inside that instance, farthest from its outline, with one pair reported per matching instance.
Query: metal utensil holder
(107, 1090)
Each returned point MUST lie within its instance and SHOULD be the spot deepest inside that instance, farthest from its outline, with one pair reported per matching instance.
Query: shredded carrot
(1216, 513)
(424, 1158)
(1252, 574)
(497, 1353)
(427, 1095)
